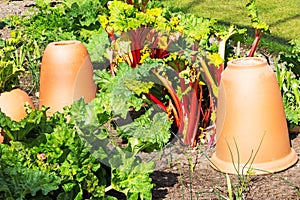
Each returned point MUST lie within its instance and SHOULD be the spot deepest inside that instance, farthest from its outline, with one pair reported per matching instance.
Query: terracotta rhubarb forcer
(12, 104)
(66, 75)
(252, 132)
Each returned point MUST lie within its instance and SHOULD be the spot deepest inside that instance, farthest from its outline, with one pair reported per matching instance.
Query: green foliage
(11, 61)
(123, 17)
(131, 176)
(62, 157)
(145, 133)
(18, 182)
(291, 57)
(257, 23)
(128, 174)
(47, 24)
(88, 118)
(64, 21)
(96, 45)
(138, 86)
(194, 28)
(84, 14)
(127, 91)
(34, 123)
(116, 94)
(60, 152)
(288, 76)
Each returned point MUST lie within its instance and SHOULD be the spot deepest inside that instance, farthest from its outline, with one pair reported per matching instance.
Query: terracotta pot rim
(64, 43)
(247, 62)
(276, 165)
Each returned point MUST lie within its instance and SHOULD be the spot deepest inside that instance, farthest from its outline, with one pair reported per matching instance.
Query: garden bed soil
(175, 180)
(173, 177)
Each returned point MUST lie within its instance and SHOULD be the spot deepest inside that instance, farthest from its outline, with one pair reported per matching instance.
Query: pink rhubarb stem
(255, 43)
(192, 116)
(179, 120)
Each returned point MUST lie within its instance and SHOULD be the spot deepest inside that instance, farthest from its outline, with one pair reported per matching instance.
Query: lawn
(283, 17)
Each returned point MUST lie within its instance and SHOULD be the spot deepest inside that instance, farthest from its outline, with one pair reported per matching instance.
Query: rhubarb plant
(140, 4)
(128, 91)
(187, 80)
(260, 26)
(68, 155)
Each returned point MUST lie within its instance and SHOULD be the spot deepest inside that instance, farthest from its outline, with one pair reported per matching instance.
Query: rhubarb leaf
(138, 86)
(145, 133)
(18, 181)
(34, 122)
(113, 93)
(131, 176)
(118, 94)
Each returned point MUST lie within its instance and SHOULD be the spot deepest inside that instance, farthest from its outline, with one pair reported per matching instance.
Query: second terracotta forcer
(66, 75)
(252, 131)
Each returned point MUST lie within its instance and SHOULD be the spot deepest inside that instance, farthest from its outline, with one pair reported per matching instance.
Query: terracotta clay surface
(12, 104)
(66, 75)
(251, 126)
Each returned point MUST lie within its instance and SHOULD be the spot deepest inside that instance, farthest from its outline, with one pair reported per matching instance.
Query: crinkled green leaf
(146, 133)
(88, 118)
(35, 119)
(257, 23)
(131, 176)
(123, 17)
(114, 93)
(19, 181)
(196, 27)
(138, 86)
(96, 45)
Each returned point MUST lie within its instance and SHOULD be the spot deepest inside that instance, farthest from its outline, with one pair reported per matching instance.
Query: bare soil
(10, 8)
(174, 178)
(184, 173)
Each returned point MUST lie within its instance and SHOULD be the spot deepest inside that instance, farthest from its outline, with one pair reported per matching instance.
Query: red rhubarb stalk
(255, 43)
(179, 121)
(192, 116)
(156, 101)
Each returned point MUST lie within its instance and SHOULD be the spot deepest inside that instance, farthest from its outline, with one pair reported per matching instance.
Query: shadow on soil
(162, 180)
